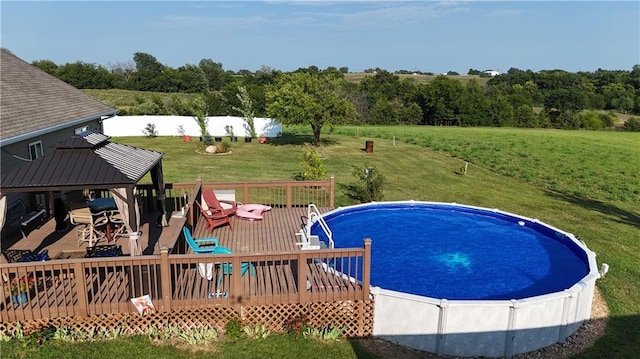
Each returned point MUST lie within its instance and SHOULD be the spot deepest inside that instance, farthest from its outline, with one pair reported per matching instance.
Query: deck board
(275, 233)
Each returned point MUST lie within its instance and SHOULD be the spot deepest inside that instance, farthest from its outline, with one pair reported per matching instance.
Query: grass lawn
(587, 183)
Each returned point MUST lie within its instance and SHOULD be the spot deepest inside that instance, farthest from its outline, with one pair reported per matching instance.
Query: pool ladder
(311, 241)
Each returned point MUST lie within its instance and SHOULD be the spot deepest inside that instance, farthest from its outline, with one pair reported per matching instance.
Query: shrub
(258, 332)
(207, 139)
(296, 325)
(313, 169)
(632, 125)
(233, 329)
(223, 147)
(370, 185)
(329, 333)
(150, 131)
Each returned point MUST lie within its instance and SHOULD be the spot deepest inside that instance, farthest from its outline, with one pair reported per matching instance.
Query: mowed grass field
(355, 77)
(587, 183)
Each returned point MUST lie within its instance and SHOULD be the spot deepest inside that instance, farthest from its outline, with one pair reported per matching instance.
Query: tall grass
(583, 182)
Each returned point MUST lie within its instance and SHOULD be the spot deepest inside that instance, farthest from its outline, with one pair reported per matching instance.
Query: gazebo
(91, 161)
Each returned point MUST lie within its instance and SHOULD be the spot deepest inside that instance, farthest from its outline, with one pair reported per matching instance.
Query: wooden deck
(278, 271)
(275, 233)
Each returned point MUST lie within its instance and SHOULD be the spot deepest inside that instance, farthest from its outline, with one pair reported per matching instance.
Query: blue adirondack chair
(227, 268)
(210, 242)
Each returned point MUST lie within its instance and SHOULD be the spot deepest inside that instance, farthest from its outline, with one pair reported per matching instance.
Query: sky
(428, 36)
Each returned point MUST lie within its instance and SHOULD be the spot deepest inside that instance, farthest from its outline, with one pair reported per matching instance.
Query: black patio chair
(24, 255)
(105, 250)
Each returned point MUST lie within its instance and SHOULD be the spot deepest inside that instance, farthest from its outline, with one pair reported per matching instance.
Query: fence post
(366, 268)
(332, 181)
(81, 289)
(165, 279)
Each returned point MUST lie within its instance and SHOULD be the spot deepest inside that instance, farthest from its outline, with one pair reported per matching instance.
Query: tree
(190, 78)
(149, 73)
(618, 97)
(474, 106)
(83, 75)
(47, 66)
(122, 71)
(199, 108)
(441, 101)
(305, 98)
(246, 110)
(562, 107)
(216, 77)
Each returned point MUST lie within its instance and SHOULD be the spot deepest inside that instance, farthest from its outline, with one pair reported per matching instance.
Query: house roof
(87, 160)
(32, 100)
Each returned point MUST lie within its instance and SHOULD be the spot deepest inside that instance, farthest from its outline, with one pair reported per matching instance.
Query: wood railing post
(302, 277)
(237, 289)
(192, 215)
(366, 268)
(245, 194)
(81, 289)
(332, 180)
(165, 279)
(289, 195)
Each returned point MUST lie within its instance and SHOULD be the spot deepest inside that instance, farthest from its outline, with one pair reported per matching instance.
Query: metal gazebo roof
(87, 160)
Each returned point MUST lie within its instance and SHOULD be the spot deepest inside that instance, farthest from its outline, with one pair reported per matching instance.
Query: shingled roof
(87, 160)
(32, 100)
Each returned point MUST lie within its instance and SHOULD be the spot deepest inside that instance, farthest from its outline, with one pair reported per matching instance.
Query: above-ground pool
(463, 280)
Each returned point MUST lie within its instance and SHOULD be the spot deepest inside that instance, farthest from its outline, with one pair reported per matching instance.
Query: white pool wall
(490, 328)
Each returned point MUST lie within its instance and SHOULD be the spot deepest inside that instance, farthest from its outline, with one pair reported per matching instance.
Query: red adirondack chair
(215, 218)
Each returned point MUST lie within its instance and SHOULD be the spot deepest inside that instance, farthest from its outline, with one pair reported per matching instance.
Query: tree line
(518, 98)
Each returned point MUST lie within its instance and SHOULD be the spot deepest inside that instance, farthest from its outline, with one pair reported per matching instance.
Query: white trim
(35, 146)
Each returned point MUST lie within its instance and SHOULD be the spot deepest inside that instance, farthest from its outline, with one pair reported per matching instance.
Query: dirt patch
(581, 340)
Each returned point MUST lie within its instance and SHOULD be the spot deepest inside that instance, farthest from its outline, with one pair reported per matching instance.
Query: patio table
(102, 204)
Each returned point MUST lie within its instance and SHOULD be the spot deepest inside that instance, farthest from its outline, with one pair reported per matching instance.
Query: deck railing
(93, 286)
(87, 287)
(285, 194)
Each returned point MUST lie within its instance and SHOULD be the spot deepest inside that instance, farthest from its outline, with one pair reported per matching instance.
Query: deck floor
(275, 233)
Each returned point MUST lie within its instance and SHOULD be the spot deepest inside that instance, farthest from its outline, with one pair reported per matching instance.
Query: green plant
(312, 166)
(224, 146)
(233, 329)
(4, 337)
(632, 125)
(41, 336)
(369, 186)
(296, 325)
(329, 333)
(167, 332)
(199, 336)
(257, 332)
(150, 131)
(207, 140)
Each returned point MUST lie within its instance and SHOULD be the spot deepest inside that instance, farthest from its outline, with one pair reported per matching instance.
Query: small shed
(90, 161)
